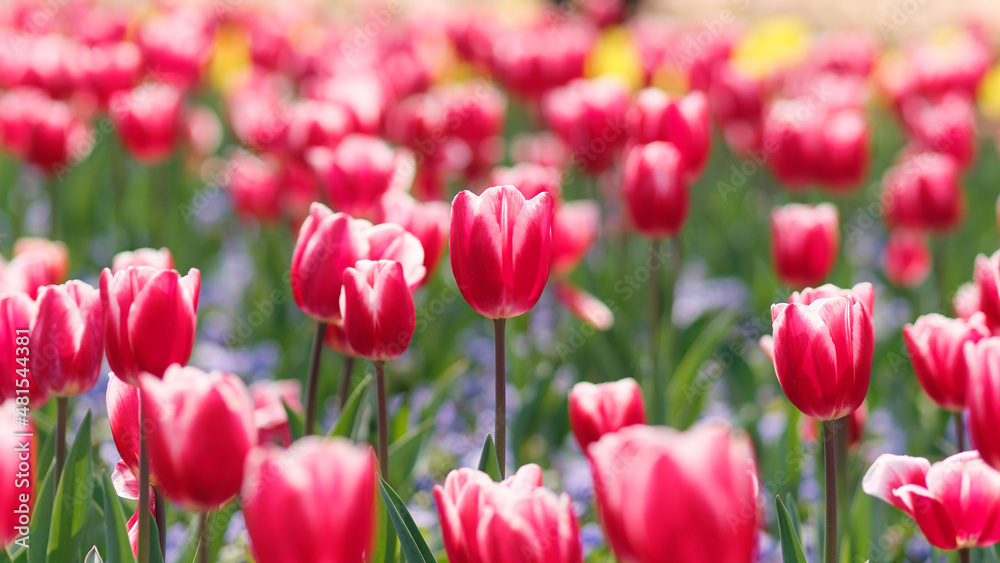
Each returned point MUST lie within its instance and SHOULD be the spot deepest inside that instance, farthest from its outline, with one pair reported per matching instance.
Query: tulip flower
(148, 120)
(935, 344)
(516, 521)
(160, 259)
(530, 179)
(690, 494)
(596, 410)
(255, 187)
(42, 131)
(428, 221)
(589, 116)
(543, 58)
(123, 415)
(37, 263)
(198, 469)
(966, 300)
(289, 493)
(575, 228)
(804, 242)
(955, 501)
(392, 242)
(67, 339)
(946, 127)
(737, 101)
(149, 319)
(987, 278)
(983, 399)
(501, 249)
(584, 306)
(202, 130)
(355, 174)
(17, 314)
(269, 400)
(924, 192)
(317, 123)
(907, 260)
(18, 474)
(113, 67)
(474, 113)
(177, 44)
(682, 122)
(655, 189)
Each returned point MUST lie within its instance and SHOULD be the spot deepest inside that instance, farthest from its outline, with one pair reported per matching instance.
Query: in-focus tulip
(67, 339)
(17, 313)
(575, 227)
(530, 179)
(289, 494)
(589, 116)
(906, 258)
(148, 120)
(690, 496)
(956, 502)
(515, 521)
(596, 410)
(328, 244)
(924, 192)
(201, 429)
(823, 354)
(682, 122)
(160, 259)
(983, 400)
(355, 174)
(149, 319)
(18, 475)
(379, 316)
(269, 400)
(654, 188)
(936, 346)
(501, 248)
(804, 242)
(987, 279)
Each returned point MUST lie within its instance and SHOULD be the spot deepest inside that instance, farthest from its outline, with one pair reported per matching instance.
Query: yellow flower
(989, 94)
(230, 59)
(616, 55)
(773, 45)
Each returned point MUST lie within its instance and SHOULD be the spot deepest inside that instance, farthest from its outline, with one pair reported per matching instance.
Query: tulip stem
(655, 318)
(500, 381)
(383, 449)
(830, 476)
(52, 186)
(62, 418)
(963, 555)
(960, 431)
(161, 520)
(143, 548)
(312, 383)
(345, 380)
(203, 541)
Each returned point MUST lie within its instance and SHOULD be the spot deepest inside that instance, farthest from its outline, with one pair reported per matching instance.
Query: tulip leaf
(686, 392)
(488, 462)
(46, 454)
(295, 424)
(116, 540)
(791, 548)
(93, 556)
(404, 452)
(345, 422)
(860, 538)
(996, 552)
(72, 501)
(154, 541)
(41, 519)
(413, 545)
(4, 556)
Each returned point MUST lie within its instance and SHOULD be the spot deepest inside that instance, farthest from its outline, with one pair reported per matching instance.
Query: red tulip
(654, 188)
(42, 131)
(501, 248)
(289, 493)
(530, 179)
(17, 313)
(737, 101)
(67, 339)
(956, 502)
(575, 226)
(535, 60)
(260, 120)
(123, 415)
(363, 95)
(17, 469)
(149, 319)
(269, 400)
(804, 242)
(37, 263)
(160, 259)
(516, 521)
(589, 116)
(682, 122)
(379, 316)
(687, 496)
(328, 243)
(907, 260)
(983, 361)
(255, 187)
(428, 221)
(987, 278)
(863, 292)
(356, 174)
(201, 429)
(924, 192)
(596, 410)
(54, 63)
(935, 344)
(584, 306)
(148, 120)
(335, 338)
(947, 126)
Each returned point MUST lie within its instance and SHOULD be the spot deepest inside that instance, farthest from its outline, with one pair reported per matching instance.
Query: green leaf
(72, 500)
(791, 548)
(295, 423)
(41, 519)
(218, 523)
(685, 391)
(861, 526)
(488, 460)
(403, 453)
(345, 422)
(93, 556)
(414, 547)
(4, 556)
(154, 541)
(46, 454)
(996, 552)
(117, 544)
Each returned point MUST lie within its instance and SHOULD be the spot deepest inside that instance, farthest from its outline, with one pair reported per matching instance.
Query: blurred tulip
(584, 306)
(317, 123)
(935, 344)
(530, 179)
(947, 126)
(356, 174)
(428, 221)
(67, 339)
(953, 501)
(804, 242)
(17, 312)
(924, 192)
(683, 122)
(37, 263)
(197, 469)
(54, 63)
(952, 61)
(655, 189)
(966, 300)
(691, 494)
(269, 400)
(148, 120)
(149, 319)
(335, 338)
(203, 131)
(501, 248)
(328, 244)
(260, 120)
(364, 96)
(515, 521)
(575, 228)
(983, 400)
(907, 259)
(596, 410)
(255, 187)
(543, 148)
(589, 116)
(113, 67)
(737, 101)
(987, 279)
(177, 45)
(379, 316)
(42, 131)
(474, 113)
(532, 61)
(288, 493)
(18, 471)
(160, 259)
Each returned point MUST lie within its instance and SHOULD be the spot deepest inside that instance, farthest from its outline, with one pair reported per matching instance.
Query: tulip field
(498, 282)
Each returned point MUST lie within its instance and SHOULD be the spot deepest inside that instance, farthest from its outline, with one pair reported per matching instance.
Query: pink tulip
(516, 521)
(863, 292)
(260, 120)
(392, 242)
(987, 278)
(17, 469)
(804, 242)
(177, 45)
(269, 399)
(575, 227)
(201, 429)
(148, 120)
(289, 493)
(149, 319)
(947, 126)
(202, 130)
(530, 179)
(536, 60)
(966, 300)
(956, 502)
(823, 354)
(335, 338)
(160, 259)
(123, 415)
(682, 122)
(113, 67)
(906, 258)
(17, 313)
(474, 114)
(42, 131)
(501, 248)
(379, 316)
(596, 410)
(355, 174)
(737, 101)
(589, 116)
(935, 344)
(428, 221)
(317, 123)
(680, 496)
(983, 400)
(924, 192)
(37, 263)
(655, 189)
(67, 339)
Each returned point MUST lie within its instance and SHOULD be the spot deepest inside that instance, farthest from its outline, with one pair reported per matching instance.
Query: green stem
(842, 439)
(500, 386)
(960, 431)
(62, 418)
(312, 383)
(383, 449)
(345, 380)
(655, 320)
(161, 520)
(143, 547)
(203, 541)
(52, 187)
(830, 476)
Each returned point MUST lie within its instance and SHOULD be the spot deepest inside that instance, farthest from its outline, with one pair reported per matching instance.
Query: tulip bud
(149, 319)
(516, 521)
(201, 429)
(160, 259)
(356, 174)
(530, 179)
(935, 344)
(17, 313)
(987, 278)
(655, 192)
(589, 116)
(953, 501)
(575, 227)
(289, 493)
(693, 493)
(18, 473)
(148, 120)
(907, 260)
(804, 242)
(501, 249)
(269, 400)
(379, 316)
(596, 410)
(682, 122)
(983, 401)
(924, 193)
(67, 339)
